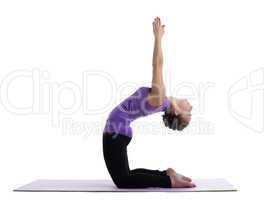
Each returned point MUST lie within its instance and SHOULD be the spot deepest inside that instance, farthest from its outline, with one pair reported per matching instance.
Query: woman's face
(185, 109)
(181, 107)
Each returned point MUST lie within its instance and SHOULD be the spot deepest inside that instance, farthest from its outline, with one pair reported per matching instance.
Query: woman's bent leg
(149, 171)
(142, 180)
(115, 155)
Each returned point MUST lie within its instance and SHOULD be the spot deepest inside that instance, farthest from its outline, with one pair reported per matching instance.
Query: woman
(144, 101)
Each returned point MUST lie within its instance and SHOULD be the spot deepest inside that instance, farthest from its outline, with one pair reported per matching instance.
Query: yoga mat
(202, 185)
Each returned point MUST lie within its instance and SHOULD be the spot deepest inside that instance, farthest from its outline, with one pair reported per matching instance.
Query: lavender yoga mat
(203, 185)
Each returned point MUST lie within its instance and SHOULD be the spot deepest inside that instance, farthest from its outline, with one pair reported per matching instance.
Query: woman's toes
(184, 177)
(188, 184)
(187, 179)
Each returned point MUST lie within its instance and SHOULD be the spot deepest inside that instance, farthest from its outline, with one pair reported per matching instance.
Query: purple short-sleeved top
(131, 108)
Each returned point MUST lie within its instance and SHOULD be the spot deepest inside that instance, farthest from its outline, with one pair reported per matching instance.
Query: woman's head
(178, 115)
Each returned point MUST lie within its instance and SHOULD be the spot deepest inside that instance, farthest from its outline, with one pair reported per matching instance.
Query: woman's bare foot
(178, 180)
(171, 172)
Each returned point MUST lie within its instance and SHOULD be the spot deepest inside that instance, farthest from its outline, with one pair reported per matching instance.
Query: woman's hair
(173, 121)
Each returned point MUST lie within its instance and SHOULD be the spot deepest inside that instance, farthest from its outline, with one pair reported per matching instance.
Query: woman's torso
(133, 107)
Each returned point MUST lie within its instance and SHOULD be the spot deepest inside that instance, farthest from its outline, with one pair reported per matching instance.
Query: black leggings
(115, 155)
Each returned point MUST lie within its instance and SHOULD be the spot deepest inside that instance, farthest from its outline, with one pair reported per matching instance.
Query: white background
(206, 42)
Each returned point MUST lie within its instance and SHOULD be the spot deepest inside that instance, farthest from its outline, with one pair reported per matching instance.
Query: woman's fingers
(158, 21)
(155, 23)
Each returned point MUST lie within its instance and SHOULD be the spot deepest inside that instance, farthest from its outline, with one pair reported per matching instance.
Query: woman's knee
(124, 182)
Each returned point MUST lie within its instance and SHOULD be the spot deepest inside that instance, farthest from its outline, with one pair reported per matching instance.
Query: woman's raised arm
(158, 90)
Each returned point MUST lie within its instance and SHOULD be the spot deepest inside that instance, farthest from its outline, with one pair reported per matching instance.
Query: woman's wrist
(158, 38)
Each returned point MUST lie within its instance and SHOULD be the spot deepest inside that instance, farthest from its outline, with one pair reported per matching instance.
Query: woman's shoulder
(143, 90)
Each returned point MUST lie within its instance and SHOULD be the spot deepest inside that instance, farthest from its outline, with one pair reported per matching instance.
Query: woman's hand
(158, 28)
